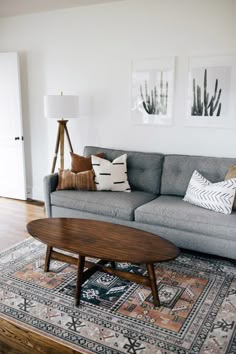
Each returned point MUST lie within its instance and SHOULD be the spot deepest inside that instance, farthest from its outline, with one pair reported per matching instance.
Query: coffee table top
(102, 240)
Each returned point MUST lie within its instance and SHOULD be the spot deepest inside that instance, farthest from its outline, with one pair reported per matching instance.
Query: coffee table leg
(47, 259)
(153, 284)
(81, 262)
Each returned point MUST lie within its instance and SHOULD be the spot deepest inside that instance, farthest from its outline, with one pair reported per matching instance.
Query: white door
(12, 162)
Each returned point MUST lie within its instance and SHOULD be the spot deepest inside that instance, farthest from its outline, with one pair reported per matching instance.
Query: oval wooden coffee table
(105, 241)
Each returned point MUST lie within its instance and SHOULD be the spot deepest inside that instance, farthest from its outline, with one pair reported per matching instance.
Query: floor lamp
(61, 106)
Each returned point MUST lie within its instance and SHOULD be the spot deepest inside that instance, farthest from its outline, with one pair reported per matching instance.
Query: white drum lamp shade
(58, 106)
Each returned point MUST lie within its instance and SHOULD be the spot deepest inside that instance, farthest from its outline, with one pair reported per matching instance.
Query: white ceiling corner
(10, 8)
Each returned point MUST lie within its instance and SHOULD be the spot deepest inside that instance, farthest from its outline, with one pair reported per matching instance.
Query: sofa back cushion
(178, 169)
(144, 169)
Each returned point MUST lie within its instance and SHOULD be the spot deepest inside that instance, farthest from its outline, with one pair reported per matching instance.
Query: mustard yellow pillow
(231, 173)
(81, 181)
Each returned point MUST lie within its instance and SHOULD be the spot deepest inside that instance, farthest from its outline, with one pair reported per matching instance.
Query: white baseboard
(29, 192)
(37, 194)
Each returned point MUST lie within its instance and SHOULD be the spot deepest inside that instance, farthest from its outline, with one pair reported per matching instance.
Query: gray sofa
(158, 183)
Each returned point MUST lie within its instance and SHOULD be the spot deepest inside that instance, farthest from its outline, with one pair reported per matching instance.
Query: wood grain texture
(90, 238)
(14, 216)
(79, 282)
(17, 340)
(14, 339)
(103, 240)
(47, 258)
(152, 278)
(140, 279)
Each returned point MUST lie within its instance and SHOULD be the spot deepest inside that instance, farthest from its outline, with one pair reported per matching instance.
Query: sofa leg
(233, 261)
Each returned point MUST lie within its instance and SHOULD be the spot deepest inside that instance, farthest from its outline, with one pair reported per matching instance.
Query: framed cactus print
(152, 91)
(211, 87)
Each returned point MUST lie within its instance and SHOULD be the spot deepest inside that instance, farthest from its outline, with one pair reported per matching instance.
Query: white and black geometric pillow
(214, 196)
(111, 176)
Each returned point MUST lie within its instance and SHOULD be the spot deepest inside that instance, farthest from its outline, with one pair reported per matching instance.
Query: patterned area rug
(197, 315)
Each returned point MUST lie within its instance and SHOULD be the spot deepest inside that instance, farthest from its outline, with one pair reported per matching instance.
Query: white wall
(88, 51)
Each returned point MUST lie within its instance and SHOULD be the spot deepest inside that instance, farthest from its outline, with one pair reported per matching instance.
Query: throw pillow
(214, 196)
(81, 163)
(231, 173)
(81, 181)
(111, 176)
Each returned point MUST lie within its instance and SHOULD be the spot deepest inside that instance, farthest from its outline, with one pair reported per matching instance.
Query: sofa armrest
(50, 184)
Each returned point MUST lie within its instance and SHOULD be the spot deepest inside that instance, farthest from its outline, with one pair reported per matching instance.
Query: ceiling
(20, 7)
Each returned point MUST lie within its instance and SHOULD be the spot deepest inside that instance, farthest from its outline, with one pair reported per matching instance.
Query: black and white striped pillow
(214, 196)
(111, 176)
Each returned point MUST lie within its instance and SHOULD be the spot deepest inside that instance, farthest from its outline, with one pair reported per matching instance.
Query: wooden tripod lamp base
(62, 130)
(58, 106)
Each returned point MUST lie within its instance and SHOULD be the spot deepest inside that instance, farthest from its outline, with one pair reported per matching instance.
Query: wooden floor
(14, 215)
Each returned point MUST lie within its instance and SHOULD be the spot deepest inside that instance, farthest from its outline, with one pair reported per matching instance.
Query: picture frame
(152, 91)
(211, 91)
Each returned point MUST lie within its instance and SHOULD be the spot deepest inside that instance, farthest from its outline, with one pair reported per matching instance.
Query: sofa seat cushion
(114, 204)
(173, 212)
